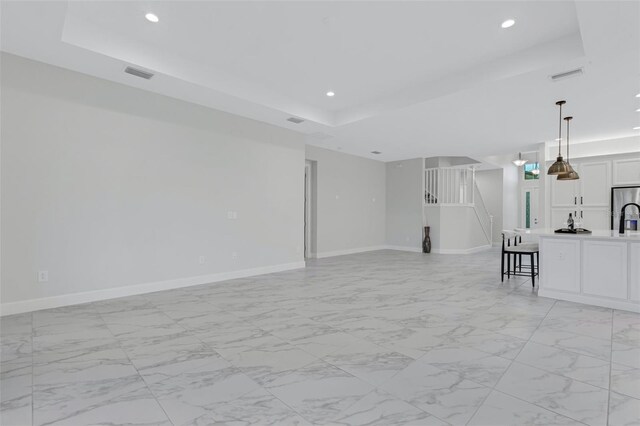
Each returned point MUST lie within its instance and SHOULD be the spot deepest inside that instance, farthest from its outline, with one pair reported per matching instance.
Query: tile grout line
(32, 385)
(499, 296)
(146, 385)
(563, 375)
(196, 337)
(375, 387)
(563, 415)
(378, 387)
(610, 366)
(562, 349)
(491, 389)
(510, 365)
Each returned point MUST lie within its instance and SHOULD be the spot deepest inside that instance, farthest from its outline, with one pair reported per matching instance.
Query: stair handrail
(485, 218)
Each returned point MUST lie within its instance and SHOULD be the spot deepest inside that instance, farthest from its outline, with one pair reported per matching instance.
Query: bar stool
(512, 245)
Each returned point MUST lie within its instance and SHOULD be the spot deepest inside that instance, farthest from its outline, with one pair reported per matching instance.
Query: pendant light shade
(560, 166)
(570, 174)
(519, 162)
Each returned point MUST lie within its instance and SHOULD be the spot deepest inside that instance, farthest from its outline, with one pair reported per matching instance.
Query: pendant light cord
(560, 133)
(568, 140)
(568, 119)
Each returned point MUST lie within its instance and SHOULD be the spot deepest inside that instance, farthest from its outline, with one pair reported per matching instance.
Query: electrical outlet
(201, 260)
(43, 276)
(234, 254)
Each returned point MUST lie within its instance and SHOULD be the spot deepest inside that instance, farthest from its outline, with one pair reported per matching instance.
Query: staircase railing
(484, 217)
(448, 186)
(457, 186)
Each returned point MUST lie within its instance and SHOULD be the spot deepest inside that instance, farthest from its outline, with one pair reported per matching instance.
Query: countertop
(595, 234)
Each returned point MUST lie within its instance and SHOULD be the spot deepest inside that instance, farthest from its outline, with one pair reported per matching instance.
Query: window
(528, 171)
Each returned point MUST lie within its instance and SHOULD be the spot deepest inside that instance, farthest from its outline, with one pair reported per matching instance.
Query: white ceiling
(411, 79)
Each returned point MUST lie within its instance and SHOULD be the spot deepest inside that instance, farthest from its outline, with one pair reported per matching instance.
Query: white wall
(404, 203)
(510, 197)
(459, 230)
(107, 186)
(490, 186)
(350, 202)
(510, 189)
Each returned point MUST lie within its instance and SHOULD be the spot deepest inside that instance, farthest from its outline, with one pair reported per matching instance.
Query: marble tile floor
(379, 338)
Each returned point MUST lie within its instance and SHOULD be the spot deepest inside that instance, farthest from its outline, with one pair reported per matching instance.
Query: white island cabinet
(601, 268)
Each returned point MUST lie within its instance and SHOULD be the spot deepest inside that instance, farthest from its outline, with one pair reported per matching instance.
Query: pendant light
(570, 174)
(519, 161)
(560, 166)
(536, 171)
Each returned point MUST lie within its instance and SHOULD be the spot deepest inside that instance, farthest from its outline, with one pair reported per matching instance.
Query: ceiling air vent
(567, 74)
(295, 120)
(138, 73)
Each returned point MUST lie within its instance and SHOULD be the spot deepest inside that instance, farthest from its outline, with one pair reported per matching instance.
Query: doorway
(309, 210)
(530, 212)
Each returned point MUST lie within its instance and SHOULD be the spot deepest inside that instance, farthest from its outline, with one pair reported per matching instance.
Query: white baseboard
(348, 251)
(588, 300)
(404, 248)
(132, 290)
(462, 251)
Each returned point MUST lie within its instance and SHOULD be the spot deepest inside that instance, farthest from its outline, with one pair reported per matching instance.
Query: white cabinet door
(634, 270)
(626, 172)
(595, 218)
(564, 193)
(604, 268)
(595, 184)
(560, 264)
(559, 217)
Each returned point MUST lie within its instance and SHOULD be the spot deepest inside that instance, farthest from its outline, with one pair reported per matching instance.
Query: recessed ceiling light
(638, 110)
(508, 23)
(152, 17)
(636, 128)
(330, 94)
(638, 95)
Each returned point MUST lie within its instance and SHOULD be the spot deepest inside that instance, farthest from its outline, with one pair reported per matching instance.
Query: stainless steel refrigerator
(619, 197)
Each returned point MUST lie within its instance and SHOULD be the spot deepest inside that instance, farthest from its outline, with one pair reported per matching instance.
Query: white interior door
(530, 211)
(307, 210)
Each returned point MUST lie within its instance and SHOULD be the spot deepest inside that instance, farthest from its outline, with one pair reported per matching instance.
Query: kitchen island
(601, 268)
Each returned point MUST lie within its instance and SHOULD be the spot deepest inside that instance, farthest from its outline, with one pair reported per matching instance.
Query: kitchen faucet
(622, 215)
